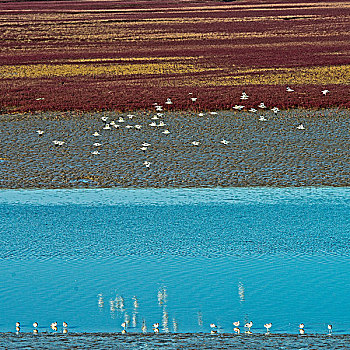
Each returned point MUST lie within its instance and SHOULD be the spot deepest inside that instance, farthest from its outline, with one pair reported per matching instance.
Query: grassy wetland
(217, 89)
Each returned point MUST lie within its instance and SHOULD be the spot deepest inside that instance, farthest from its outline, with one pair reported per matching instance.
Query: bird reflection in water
(162, 302)
(175, 325)
(100, 301)
(200, 318)
(241, 292)
(135, 311)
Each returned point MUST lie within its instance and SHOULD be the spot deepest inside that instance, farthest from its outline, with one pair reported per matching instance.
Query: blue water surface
(182, 257)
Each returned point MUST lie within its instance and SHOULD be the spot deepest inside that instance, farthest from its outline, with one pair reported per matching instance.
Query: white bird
(129, 126)
(58, 143)
(236, 323)
(200, 114)
(65, 324)
(18, 324)
(253, 110)
(237, 330)
(124, 324)
(121, 120)
(35, 331)
(96, 144)
(138, 127)
(117, 126)
(161, 123)
(153, 124)
(40, 98)
(155, 325)
(104, 119)
(301, 127)
(238, 107)
(130, 116)
(96, 134)
(159, 108)
(268, 326)
(301, 326)
(195, 143)
(112, 123)
(289, 89)
(159, 114)
(107, 127)
(166, 132)
(225, 142)
(213, 325)
(155, 117)
(262, 119)
(302, 331)
(244, 96)
(145, 144)
(35, 324)
(330, 327)
(275, 110)
(249, 325)
(194, 99)
(325, 92)
(262, 105)
(146, 164)
(143, 148)
(40, 132)
(168, 101)
(213, 113)
(95, 152)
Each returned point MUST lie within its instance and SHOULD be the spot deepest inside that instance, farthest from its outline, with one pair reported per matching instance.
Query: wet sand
(260, 153)
(171, 341)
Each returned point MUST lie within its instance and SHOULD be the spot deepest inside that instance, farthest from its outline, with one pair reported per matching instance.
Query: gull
(129, 126)
(35, 331)
(236, 323)
(168, 102)
(95, 152)
(40, 98)
(201, 114)
(159, 114)
(249, 325)
(35, 324)
(238, 107)
(40, 132)
(213, 113)
(253, 110)
(244, 96)
(143, 148)
(146, 164)
(330, 327)
(96, 134)
(166, 132)
(112, 123)
(121, 120)
(275, 110)
(213, 325)
(96, 144)
(18, 324)
(104, 119)
(302, 331)
(130, 116)
(107, 127)
(262, 105)
(117, 126)
(159, 108)
(145, 144)
(153, 124)
(301, 326)
(155, 118)
(195, 143)
(225, 142)
(325, 92)
(262, 119)
(268, 326)
(289, 89)
(54, 326)
(124, 324)
(138, 127)
(161, 123)
(301, 127)
(65, 324)
(58, 143)
(194, 99)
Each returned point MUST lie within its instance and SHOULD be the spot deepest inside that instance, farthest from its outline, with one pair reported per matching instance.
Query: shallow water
(183, 258)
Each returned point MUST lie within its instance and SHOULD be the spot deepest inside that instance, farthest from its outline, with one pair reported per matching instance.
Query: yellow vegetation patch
(270, 76)
(70, 70)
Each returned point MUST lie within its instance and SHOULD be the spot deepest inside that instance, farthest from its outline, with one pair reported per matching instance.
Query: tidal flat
(175, 149)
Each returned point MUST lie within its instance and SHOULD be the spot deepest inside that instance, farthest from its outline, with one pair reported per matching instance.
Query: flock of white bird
(53, 326)
(156, 122)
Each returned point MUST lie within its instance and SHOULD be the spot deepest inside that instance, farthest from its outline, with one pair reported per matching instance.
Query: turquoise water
(183, 258)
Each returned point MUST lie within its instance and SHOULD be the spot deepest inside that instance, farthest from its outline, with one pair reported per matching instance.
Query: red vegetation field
(124, 55)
